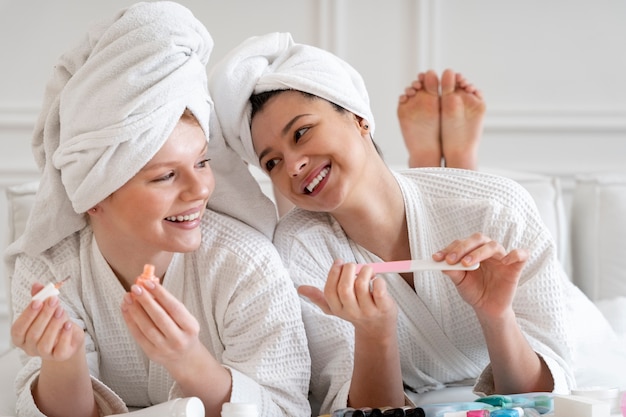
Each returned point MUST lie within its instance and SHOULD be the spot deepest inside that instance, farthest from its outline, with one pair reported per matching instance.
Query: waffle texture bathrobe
(440, 339)
(237, 289)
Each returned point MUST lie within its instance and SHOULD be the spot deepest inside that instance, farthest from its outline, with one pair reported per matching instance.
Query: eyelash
(297, 135)
(202, 164)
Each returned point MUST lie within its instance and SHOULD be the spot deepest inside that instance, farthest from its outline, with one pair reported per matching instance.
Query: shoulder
(63, 255)
(310, 228)
(308, 240)
(448, 183)
(229, 239)
(298, 220)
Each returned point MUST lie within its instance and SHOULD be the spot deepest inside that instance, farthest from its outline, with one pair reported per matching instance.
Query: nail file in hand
(416, 265)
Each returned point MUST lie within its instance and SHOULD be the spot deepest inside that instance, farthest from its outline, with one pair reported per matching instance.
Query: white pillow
(20, 200)
(598, 351)
(614, 309)
(599, 235)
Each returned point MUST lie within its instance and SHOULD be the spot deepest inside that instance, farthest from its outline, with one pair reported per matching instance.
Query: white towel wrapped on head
(275, 62)
(110, 105)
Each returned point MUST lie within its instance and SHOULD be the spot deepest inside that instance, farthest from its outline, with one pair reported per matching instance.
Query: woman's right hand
(45, 330)
(359, 298)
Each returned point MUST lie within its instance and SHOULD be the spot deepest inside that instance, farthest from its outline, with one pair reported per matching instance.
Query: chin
(184, 246)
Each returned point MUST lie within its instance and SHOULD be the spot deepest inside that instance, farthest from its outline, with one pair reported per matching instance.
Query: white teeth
(317, 179)
(186, 218)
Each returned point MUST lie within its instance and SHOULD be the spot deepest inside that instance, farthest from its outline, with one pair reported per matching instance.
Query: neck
(127, 263)
(377, 221)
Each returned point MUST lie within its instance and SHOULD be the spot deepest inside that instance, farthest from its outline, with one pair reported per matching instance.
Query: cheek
(210, 181)
(145, 208)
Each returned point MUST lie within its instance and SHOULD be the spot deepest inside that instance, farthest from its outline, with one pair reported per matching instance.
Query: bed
(589, 227)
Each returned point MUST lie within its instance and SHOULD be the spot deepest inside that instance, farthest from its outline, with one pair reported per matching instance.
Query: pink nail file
(416, 265)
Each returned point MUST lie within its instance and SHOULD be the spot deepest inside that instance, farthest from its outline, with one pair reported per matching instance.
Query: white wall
(552, 72)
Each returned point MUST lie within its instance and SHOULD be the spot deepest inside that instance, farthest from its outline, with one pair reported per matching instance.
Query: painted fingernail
(36, 305)
(149, 284)
(136, 289)
(67, 325)
(467, 260)
(58, 313)
(53, 301)
(452, 257)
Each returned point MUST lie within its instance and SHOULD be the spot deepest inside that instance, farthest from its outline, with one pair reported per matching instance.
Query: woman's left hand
(489, 289)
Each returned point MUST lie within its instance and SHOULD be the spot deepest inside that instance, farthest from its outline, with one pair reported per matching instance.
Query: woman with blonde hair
(123, 145)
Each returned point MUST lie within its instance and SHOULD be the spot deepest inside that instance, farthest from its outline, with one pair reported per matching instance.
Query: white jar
(239, 410)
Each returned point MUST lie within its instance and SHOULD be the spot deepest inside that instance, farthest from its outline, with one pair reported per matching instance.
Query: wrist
(497, 322)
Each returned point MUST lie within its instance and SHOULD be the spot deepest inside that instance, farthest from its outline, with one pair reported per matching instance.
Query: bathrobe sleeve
(61, 261)
(258, 333)
(308, 244)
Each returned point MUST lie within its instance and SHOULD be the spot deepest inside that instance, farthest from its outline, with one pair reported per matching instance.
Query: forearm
(64, 388)
(377, 377)
(200, 375)
(515, 365)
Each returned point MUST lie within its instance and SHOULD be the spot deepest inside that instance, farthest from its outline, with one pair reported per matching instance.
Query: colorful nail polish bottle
(507, 412)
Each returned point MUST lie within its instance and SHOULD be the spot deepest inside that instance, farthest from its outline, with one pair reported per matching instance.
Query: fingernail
(452, 257)
(149, 284)
(136, 289)
(67, 325)
(36, 305)
(58, 313)
(53, 301)
(467, 260)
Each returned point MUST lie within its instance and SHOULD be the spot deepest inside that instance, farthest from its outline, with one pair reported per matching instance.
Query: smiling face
(160, 208)
(314, 153)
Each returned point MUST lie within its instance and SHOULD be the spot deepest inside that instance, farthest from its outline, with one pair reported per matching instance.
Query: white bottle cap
(239, 410)
(46, 292)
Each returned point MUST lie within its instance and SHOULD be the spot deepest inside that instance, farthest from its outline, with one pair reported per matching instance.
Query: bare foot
(462, 113)
(418, 113)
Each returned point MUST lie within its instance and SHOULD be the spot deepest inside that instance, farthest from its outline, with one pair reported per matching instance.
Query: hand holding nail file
(416, 265)
(49, 290)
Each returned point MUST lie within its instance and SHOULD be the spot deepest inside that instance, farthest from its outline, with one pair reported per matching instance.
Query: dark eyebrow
(283, 132)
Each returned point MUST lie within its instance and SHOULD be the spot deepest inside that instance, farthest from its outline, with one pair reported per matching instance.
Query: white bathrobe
(234, 284)
(440, 340)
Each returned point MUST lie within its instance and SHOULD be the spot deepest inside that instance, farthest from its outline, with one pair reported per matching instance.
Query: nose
(295, 164)
(199, 185)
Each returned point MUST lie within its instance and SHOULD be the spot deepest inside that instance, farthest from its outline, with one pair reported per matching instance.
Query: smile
(185, 218)
(309, 188)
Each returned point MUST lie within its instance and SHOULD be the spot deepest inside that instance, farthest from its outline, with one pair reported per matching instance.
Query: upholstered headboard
(20, 200)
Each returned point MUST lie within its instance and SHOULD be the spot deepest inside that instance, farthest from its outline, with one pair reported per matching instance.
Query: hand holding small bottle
(44, 328)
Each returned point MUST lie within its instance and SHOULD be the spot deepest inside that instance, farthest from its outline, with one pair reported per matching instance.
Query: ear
(363, 124)
(365, 128)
